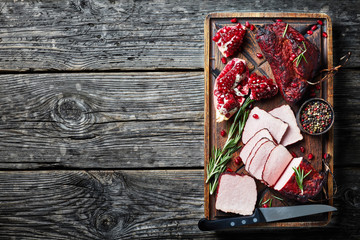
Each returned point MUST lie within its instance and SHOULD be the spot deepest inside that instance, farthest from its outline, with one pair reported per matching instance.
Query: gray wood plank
(111, 35)
(107, 120)
(138, 205)
(124, 120)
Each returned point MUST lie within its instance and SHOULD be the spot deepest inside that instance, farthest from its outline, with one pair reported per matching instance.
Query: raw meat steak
(290, 78)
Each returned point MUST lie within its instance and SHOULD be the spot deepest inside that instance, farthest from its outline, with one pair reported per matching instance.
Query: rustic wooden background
(101, 126)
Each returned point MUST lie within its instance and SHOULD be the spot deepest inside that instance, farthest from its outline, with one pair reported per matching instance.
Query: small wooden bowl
(298, 115)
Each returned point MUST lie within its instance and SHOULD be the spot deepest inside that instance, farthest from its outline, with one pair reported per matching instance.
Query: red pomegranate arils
(265, 206)
(223, 60)
(259, 55)
(279, 20)
(310, 156)
(252, 27)
(229, 170)
(314, 27)
(223, 133)
(293, 55)
(247, 24)
(238, 160)
(326, 156)
(320, 22)
(261, 87)
(293, 154)
(229, 39)
(234, 20)
(309, 32)
(302, 149)
(256, 116)
(324, 34)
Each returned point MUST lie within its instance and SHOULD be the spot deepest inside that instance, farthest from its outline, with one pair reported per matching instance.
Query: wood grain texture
(112, 120)
(110, 35)
(138, 205)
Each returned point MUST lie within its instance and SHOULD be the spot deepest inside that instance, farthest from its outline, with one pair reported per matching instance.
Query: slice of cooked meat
(246, 149)
(292, 134)
(312, 184)
(258, 162)
(278, 160)
(288, 173)
(259, 119)
(290, 78)
(236, 194)
(253, 152)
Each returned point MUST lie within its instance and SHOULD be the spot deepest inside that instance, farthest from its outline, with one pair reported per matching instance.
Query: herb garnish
(220, 157)
(301, 55)
(299, 176)
(287, 25)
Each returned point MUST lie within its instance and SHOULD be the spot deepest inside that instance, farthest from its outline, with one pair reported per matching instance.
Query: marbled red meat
(291, 79)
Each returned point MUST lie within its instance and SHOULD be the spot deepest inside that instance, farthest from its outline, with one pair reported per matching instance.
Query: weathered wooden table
(101, 126)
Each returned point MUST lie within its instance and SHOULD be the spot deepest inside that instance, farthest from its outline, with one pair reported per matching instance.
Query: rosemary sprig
(287, 25)
(301, 55)
(220, 157)
(299, 176)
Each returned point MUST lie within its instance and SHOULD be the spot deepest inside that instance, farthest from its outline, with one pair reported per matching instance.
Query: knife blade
(262, 215)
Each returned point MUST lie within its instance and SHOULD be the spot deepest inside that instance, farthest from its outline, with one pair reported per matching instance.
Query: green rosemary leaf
(287, 25)
(265, 201)
(220, 157)
(278, 198)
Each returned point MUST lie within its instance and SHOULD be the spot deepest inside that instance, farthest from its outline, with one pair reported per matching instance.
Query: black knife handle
(225, 223)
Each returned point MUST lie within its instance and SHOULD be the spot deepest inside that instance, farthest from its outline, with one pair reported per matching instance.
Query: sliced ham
(285, 177)
(259, 119)
(278, 160)
(236, 194)
(253, 152)
(312, 184)
(292, 134)
(246, 149)
(257, 164)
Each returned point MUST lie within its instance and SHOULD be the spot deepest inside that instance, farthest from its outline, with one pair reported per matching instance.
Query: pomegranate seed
(291, 59)
(310, 156)
(234, 20)
(279, 20)
(293, 55)
(293, 154)
(324, 34)
(320, 22)
(300, 39)
(238, 160)
(314, 27)
(252, 27)
(255, 116)
(223, 133)
(223, 60)
(229, 170)
(309, 32)
(265, 206)
(302, 149)
(326, 155)
(259, 55)
(247, 24)
(294, 85)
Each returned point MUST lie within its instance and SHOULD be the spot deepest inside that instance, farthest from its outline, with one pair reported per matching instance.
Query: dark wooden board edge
(329, 98)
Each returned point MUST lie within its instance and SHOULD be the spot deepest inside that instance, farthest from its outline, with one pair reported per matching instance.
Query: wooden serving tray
(317, 145)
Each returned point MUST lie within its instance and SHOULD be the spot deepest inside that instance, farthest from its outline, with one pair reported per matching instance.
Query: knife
(262, 215)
